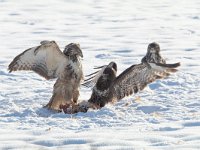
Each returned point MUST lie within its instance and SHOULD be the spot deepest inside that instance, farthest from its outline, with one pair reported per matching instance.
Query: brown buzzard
(50, 62)
(109, 88)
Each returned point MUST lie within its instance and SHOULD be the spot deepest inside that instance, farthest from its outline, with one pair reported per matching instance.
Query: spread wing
(93, 77)
(138, 76)
(46, 59)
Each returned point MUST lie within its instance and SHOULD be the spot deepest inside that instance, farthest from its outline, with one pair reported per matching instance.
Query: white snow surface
(166, 115)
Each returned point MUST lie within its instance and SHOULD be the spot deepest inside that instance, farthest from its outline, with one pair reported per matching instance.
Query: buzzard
(50, 62)
(153, 54)
(110, 88)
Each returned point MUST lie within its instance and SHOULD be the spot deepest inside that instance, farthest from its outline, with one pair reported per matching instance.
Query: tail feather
(175, 65)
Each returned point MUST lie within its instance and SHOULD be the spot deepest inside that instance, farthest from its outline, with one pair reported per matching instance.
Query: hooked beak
(81, 54)
(79, 49)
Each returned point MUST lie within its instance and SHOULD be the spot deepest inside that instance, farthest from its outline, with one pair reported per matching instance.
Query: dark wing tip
(9, 70)
(179, 64)
(175, 65)
(11, 65)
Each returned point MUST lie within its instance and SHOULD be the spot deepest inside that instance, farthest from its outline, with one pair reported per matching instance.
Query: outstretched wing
(93, 77)
(46, 59)
(138, 76)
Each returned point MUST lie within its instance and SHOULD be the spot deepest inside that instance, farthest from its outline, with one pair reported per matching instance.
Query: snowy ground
(164, 116)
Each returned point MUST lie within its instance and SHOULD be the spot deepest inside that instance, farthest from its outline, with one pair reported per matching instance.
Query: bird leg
(75, 96)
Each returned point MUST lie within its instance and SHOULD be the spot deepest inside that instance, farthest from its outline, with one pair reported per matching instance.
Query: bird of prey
(153, 54)
(110, 88)
(50, 62)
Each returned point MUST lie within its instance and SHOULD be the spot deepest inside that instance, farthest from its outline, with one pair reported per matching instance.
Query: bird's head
(107, 77)
(153, 54)
(110, 72)
(73, 49)
(153, 48)
(113, 65)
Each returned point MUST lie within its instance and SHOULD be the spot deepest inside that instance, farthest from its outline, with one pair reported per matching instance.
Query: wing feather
(46, 59)
(136, 78)
(93, 77)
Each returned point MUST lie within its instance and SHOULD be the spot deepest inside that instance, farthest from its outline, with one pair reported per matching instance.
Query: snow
(166, 115)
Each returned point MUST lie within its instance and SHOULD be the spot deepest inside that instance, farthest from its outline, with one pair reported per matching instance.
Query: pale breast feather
(78, 69)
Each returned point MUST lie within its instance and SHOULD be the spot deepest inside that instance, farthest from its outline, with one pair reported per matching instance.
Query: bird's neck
(74, 58)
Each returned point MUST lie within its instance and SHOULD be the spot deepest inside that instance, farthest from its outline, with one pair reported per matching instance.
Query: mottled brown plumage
(50, 62)
(101, 91)
(132, 80)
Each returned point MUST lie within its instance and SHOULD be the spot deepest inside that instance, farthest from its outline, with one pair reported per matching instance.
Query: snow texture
(166, 115)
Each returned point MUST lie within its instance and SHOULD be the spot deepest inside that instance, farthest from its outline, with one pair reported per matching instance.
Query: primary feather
(50, 62)
(46, 59)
